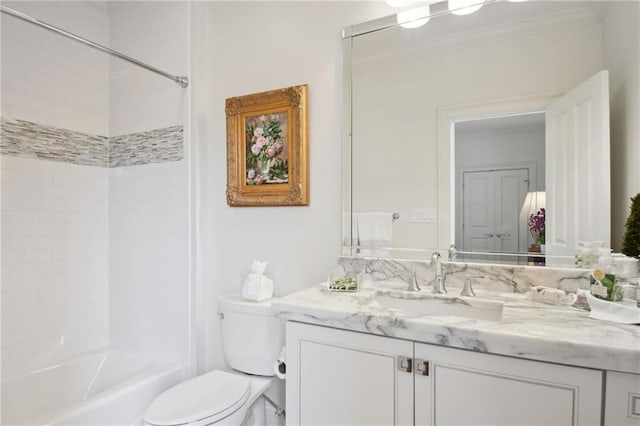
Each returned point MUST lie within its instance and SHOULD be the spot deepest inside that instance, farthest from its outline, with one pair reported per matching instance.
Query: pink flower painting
(267, 159)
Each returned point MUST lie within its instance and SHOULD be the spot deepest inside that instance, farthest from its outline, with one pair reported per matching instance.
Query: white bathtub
(106, 388)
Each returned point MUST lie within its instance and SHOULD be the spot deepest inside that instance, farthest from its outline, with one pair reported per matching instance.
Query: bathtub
(105, 388)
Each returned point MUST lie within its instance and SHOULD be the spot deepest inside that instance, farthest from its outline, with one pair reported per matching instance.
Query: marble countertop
(528, 329)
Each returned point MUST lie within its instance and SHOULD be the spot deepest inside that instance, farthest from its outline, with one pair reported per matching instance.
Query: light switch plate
(423, 215)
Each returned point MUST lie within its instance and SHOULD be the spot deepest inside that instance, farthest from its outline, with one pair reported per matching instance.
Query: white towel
(375, 229)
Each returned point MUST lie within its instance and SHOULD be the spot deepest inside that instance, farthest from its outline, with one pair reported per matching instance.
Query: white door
(462, 387)
(577, 162)
(343, 378)
(491, 206)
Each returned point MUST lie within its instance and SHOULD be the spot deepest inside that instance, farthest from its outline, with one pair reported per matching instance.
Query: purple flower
(259, 131)
(271, 152)
(260, 180)
(255, 149)
(278, 146)
(251, 173)
(261, 141)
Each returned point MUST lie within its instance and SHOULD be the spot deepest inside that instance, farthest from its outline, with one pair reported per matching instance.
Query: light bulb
(413, 18)
(399, 3)
(464, 7)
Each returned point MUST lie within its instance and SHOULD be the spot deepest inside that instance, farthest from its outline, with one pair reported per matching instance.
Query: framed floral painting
(267, 162)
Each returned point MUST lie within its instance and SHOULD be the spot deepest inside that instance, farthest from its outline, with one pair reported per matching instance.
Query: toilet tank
(252, 337)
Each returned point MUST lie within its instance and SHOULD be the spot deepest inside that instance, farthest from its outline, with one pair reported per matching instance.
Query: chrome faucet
(438, 282)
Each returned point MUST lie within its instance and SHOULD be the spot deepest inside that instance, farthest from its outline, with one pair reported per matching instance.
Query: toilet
(252, 338)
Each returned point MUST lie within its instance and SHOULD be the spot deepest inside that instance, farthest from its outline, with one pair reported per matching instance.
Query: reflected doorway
(497, 161)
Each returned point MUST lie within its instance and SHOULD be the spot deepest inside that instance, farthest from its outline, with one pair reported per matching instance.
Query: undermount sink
(418, 304)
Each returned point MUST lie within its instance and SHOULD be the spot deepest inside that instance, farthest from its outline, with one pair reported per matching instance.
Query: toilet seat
(202, 400)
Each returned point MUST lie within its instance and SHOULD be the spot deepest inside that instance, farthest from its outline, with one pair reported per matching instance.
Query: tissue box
(257, 287)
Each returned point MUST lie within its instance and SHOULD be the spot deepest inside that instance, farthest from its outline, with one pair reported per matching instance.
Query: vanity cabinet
(622, 404)
(469, 388)
(338, 377)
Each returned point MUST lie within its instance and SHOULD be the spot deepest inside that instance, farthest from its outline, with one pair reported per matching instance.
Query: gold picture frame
(267, 163)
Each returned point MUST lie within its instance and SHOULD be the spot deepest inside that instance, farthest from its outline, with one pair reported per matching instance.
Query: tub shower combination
(103, 387)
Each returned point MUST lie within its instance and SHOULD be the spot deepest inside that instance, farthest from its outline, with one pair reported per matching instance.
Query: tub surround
(531, 330)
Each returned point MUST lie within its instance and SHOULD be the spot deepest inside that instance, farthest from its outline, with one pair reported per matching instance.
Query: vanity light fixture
(414, 18)
(464, 7)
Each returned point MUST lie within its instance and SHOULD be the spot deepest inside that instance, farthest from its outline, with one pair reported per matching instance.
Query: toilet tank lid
(235, 303)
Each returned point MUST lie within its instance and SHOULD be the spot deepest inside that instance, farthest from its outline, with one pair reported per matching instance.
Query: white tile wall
(148, 240)
(148, 253)
(49, 79)
(78, 240)
(155, 33)
(54, 219)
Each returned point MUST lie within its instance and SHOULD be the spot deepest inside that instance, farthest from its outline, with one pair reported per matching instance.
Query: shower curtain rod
(182, 81)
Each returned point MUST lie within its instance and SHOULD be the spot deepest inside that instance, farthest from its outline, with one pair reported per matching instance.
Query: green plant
(631, 240)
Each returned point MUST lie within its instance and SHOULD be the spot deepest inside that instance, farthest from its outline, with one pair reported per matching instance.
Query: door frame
(448, 116)
(459, 196)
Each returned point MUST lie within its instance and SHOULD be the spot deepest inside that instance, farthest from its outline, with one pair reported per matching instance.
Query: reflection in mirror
(498, 162)
(416, 98)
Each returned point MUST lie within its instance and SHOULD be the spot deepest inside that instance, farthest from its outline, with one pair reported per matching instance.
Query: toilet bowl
(251, 338)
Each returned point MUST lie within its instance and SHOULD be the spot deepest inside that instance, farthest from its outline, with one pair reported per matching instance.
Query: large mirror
(460, 130)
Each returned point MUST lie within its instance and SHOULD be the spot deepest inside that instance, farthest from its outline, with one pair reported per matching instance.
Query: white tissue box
(257, 287)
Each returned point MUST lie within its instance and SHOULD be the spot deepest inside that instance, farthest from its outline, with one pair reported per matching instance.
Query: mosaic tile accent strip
(153, 146)
(20, 138)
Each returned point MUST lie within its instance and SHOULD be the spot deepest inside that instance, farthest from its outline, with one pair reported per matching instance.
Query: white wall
(503, 146)
(621, 45)
(149, 204)
(397, 99)
(54, 215)
(232, 57)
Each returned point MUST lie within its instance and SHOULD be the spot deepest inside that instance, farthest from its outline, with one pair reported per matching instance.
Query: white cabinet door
(337, 377)
(622, 407)
(470, 388)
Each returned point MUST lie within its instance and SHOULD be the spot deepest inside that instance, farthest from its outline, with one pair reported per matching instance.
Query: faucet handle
(467, 290)
(413, 283)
